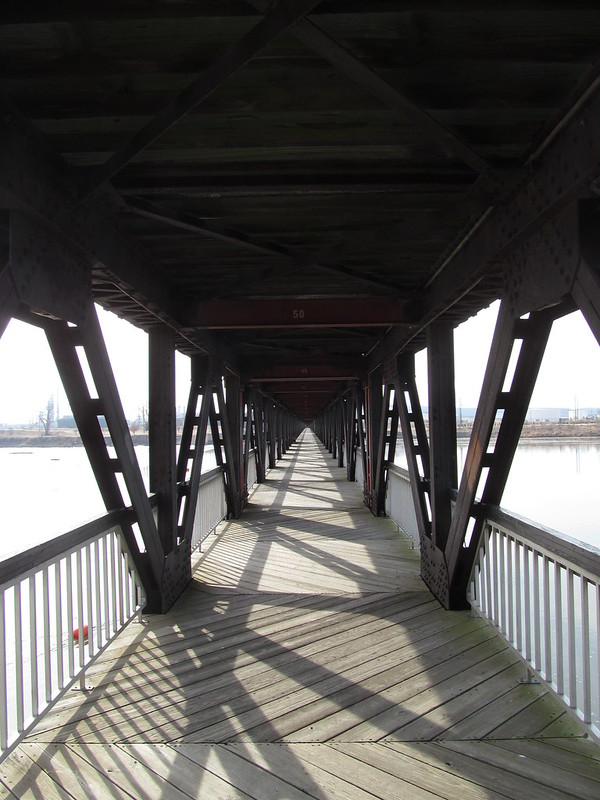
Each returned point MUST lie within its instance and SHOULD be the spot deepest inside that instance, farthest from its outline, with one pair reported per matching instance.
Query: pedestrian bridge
(306, 659)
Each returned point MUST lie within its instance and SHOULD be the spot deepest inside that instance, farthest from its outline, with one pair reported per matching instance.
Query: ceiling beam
(284, 15)
(303, 372)
(34, 180)
(214, 230)
(328, 48)
(562, 173)
(328, 312)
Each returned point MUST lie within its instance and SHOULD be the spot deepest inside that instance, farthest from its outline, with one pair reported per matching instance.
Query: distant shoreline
(71, 438)
(532, 431)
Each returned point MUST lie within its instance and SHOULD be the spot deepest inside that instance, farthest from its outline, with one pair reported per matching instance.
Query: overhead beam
(285, 14)
(310, 313)
(293, 261)
(560, 175)
(34, 180)
(328, 48)
(341, 370)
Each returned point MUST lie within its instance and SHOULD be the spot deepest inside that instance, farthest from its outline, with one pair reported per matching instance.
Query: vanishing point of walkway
(306, 660)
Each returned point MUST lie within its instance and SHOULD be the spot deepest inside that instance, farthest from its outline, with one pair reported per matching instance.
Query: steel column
(442, 428)
(162, 432)
(233, 423)
(351, 433)
(374, 409)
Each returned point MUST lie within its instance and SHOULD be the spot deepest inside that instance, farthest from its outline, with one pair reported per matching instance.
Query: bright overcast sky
(29, 377)
(570, 373)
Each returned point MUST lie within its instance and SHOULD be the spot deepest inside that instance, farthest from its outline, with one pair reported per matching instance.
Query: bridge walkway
(306, 660)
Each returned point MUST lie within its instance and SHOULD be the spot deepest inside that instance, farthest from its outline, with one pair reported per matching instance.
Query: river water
(48, 491)
(553, 483)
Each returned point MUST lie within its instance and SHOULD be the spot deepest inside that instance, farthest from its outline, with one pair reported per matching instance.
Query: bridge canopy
(301, 186)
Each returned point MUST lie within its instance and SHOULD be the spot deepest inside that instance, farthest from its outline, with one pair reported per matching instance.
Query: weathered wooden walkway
(307, 660)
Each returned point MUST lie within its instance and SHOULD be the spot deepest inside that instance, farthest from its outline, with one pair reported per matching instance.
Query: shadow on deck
(307, 660)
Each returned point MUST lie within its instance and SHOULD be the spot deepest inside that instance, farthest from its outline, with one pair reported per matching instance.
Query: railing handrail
(558, 546)
(573, 552)
(15, 566)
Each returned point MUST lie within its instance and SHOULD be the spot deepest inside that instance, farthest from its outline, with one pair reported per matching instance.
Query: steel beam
(87, 410)
(560, 173)
(317, 369)
(162, 432)
(34, 180)
(442, 428)
(290, 260)
(9, 298)
(321, 43)
(414, 436)
(233, 406)
(276, 21)
(374, 409)
(467, 521)
(315, 313)
(388, 431)
(193, 439)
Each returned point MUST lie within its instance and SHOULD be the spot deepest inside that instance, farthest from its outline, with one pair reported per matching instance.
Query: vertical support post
(374, 412)
(442, 428)
(259, 434)
(340, 431)
(271, 432)
(351, 433)
(233, 423)
(162, 432)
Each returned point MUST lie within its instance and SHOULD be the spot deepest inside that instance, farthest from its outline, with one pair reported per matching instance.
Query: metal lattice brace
(65, 341)
(415, 440)
(529, 336)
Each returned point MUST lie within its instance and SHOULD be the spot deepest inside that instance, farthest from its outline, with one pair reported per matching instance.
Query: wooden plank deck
(306, 660)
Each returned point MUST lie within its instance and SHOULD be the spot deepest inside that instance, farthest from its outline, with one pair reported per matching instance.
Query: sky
(569, 376)
(29, 377)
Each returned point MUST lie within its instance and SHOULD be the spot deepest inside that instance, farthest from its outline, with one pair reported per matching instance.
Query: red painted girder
(352, 312)
(342, 370)
(302, 387)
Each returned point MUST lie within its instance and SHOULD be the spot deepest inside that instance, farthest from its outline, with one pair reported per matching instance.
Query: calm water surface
(555, 484)
(47, 491)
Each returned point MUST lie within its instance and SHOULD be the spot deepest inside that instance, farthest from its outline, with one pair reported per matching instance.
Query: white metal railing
(399, 504)
(56, 615)
(211, 506)
(541, 590)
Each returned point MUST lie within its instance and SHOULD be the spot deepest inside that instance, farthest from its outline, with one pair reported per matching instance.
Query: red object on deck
(76, 633)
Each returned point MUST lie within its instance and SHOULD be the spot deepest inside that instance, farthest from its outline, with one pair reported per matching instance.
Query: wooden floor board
(306, 660)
